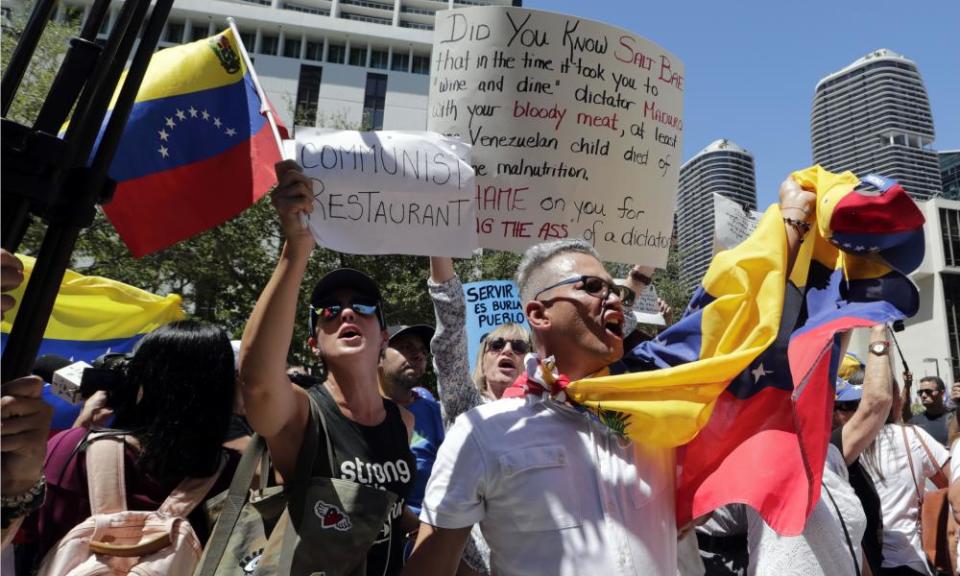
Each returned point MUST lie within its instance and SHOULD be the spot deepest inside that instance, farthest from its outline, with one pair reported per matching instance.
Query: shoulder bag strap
(236, 498)
(853, 554)
(913, 473)
(105, 475)
(939, 479)
(190, 492)
(297, 489)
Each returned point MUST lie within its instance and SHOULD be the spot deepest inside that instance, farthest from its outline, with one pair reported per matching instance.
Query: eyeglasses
(845, 406)
(327, 312)
(598, 287)
(927, 392)
(517, 345)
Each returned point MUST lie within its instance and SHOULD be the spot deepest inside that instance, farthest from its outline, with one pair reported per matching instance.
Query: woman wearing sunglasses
(498, 363)
(369, 435)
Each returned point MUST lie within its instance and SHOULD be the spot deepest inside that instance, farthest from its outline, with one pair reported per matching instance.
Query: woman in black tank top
(369, 435)
(377, 456)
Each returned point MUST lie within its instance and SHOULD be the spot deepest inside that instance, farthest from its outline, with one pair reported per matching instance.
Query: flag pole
(265, 108)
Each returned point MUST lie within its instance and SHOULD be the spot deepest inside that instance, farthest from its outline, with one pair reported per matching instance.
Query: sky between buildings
(752, 65)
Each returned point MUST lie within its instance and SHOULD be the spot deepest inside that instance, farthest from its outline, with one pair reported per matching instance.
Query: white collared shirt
(555, 492)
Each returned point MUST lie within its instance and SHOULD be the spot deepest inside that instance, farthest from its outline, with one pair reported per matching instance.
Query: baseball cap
(422, 331)
(350, 279)
(847, 392)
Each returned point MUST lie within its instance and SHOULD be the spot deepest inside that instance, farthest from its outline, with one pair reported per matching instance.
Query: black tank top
(377, 456)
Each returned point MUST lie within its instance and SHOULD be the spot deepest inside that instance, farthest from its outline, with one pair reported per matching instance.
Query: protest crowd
(741, 438)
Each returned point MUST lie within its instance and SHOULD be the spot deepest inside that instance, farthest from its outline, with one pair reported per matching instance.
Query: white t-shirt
(821, 549)
(886, 461)
(955, 474)
(555, 492)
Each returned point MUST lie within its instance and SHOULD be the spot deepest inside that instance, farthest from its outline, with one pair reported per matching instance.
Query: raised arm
(275, 408)
(449, 345)
(906, 404)
(871, 414)
(797, 209)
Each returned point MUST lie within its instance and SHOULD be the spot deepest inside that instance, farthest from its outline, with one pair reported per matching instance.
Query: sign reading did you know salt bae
(576, 128)
(389, 192)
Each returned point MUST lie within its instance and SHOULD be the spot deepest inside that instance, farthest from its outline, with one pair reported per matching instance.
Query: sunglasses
(926, 392)
(328, 312)
(597, 287)
(846, 406)
(517, 345)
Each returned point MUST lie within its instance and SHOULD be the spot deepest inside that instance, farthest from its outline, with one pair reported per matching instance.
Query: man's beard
(406, 381)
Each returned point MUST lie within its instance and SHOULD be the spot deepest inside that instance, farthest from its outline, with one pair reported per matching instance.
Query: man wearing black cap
(402, 367)
(368, 434)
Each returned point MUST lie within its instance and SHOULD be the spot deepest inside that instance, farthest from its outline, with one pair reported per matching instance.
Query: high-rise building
(950, 174)
(874, 117)
(346, 63)
(724, 168)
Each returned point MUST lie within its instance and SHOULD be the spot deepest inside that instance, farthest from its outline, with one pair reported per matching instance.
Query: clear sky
(752, 65)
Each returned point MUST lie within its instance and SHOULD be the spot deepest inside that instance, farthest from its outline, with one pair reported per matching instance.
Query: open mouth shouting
(350, 334)
(612, 321)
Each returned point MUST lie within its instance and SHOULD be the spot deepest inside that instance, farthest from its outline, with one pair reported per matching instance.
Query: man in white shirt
(554, 490)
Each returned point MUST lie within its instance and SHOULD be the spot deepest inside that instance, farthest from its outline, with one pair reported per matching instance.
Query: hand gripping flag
(745, 379)
(196, 150)
(92, 316)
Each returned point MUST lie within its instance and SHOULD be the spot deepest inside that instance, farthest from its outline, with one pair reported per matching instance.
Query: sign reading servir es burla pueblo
(576, 128)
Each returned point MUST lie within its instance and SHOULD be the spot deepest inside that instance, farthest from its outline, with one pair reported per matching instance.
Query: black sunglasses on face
(926, 392)
(598, 287)
(328, 312)
(517, 345)
(846, 406)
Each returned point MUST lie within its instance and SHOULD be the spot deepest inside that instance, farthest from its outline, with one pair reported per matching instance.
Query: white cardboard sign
(389, 192)
(576, 128)
(731, 223)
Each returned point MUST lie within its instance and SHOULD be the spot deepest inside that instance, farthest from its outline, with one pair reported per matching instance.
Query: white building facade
(930, 341)
(337, 63)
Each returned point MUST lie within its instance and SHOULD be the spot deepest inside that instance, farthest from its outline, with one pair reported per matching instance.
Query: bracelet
(13, 507)
(799, 225)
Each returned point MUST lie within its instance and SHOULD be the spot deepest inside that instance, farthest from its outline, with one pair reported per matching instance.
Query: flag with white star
(197, 149)
(744, 381)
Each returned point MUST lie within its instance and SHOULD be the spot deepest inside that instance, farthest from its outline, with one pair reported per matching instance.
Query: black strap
(237, 496)
(853, 554)
(297, 490)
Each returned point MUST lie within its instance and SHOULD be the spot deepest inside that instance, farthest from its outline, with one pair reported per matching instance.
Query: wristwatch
(879, 348)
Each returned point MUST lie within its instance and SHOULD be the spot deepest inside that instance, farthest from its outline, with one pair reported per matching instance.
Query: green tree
(43, 66)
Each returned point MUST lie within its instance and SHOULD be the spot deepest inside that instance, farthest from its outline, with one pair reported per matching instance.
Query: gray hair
(529, 271)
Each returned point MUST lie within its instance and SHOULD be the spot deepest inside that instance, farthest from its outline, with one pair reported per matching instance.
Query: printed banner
(490, 303)
(576, 128)
(731, 223)
(389, 192)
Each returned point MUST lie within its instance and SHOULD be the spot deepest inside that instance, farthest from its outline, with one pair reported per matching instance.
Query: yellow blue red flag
(197, 149)
(743, 383)
(92, 315)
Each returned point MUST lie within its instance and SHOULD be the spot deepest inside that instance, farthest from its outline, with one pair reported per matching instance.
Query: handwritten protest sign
(646, 309)
(576, 128)
(389, 192)
(490, 304)
(731, 223)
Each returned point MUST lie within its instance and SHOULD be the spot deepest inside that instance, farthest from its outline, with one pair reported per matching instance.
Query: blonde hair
(507, 331)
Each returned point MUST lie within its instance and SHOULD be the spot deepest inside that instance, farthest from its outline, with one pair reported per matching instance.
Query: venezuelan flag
(744, 381)
(196, 150)
(93, 314)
